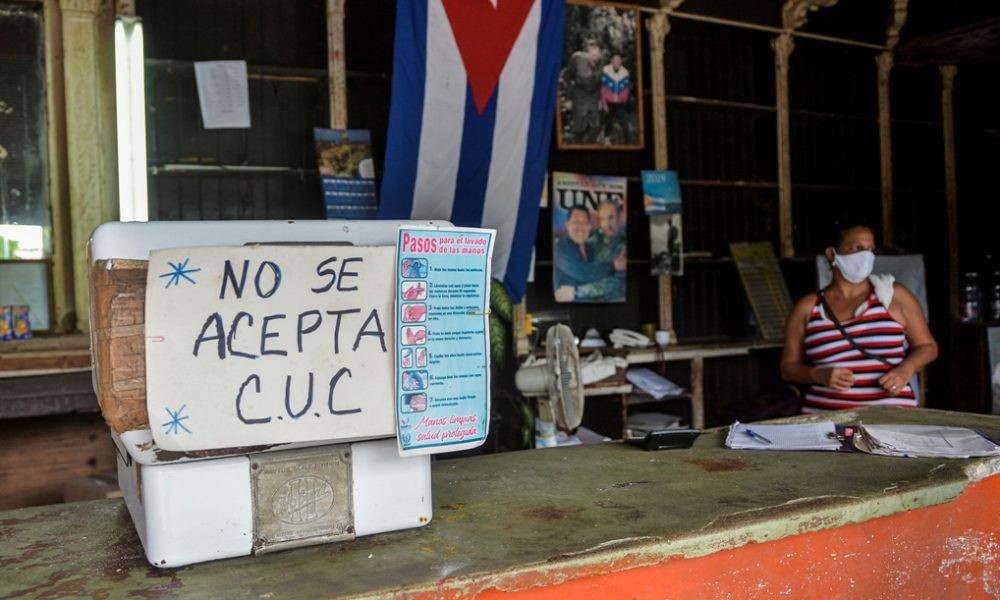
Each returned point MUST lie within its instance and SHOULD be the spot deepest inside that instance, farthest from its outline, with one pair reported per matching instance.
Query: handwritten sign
(443, 367)
(259, 345)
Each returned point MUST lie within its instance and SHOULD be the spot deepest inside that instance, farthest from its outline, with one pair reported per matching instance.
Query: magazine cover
(589, 257)
(665, 245)
(661, 198)
(661, 193)
(347, 173)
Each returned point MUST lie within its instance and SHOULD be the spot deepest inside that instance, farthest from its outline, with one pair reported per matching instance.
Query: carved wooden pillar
(794, 14)
(657, 28)
(89, 73)
(884, 63)
(783, 46)
(336, 64)
(950, 182)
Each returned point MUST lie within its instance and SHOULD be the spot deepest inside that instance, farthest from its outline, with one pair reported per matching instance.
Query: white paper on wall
(223, 94)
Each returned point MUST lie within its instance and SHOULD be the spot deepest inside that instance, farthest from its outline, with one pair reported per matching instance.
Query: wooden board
(55, 394)
(764, 285)
(39, 455)
(118, 338)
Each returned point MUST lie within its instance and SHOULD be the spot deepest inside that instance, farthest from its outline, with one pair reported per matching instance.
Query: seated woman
(848, 342)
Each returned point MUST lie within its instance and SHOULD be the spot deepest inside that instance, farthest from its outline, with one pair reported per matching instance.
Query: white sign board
(257, 345)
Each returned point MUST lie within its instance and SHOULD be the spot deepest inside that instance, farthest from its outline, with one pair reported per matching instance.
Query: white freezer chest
(199, 506)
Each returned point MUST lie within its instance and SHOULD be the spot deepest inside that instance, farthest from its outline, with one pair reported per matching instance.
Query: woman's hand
(838, 378)
(895, 380)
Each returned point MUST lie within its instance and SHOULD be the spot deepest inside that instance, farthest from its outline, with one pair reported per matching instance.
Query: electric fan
(558, 382)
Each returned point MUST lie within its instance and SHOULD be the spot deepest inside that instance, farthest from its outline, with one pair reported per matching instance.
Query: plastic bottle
(972, 299)
(995, 298)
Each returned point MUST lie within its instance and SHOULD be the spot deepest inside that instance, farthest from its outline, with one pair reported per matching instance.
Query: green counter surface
(503, 517)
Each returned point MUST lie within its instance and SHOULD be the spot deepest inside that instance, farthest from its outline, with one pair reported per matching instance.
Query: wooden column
(519, 329)
(89, 73)
(783, 46)
(657, 28)
(883, 63)
(63, 317)
(950, 183)
(336, 64)
(794, 14)
(698, 392)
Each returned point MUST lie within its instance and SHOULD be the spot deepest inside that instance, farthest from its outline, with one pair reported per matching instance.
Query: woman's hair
(843, 224)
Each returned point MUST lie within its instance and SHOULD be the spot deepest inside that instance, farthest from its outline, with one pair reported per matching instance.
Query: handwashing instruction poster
(442, 328)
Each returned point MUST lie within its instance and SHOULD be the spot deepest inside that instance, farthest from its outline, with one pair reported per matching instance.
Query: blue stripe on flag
(536, 158)
(474, 162)
(405, 123)
(409, 70)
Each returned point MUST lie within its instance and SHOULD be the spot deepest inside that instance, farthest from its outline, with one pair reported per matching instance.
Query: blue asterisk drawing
(174, 425)
(179, 270)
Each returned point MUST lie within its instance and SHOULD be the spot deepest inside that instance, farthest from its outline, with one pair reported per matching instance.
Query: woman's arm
(923, 348)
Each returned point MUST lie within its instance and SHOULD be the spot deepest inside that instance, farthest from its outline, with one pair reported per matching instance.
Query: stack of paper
(654, 384)
(797, 436)
(923, 441)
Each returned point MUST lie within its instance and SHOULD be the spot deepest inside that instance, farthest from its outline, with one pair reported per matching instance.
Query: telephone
(628, 338)
(666, 439)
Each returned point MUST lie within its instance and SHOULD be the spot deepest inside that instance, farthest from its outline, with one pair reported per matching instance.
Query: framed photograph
(600, 83)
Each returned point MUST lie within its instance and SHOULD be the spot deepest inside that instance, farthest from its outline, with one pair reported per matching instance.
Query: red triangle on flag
(485, 36)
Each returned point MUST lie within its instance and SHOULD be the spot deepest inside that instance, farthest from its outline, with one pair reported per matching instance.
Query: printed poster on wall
(347, 172)
(258, 345)
(589, 237)
(661, 193)
(443, 355)
(665, 247)
(661, 198)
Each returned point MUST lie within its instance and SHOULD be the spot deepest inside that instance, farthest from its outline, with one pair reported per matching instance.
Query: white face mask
(855, 267)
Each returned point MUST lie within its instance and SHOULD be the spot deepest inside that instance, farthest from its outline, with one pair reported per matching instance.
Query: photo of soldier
(581, 81)
(600, 84)
(665, 238)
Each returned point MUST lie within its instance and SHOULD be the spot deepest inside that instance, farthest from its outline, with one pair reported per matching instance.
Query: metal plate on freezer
(302, 497)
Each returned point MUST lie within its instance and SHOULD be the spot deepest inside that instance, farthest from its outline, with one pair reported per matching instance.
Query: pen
(756, 435)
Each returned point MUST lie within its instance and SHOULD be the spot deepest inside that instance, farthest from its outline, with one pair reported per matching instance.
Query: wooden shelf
(45, 356)
(645, 399)
(640, 356)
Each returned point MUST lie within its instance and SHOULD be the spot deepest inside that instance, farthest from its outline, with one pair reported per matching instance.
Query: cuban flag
(473, 98)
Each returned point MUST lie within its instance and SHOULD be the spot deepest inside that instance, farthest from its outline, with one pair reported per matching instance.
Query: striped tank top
(879, 334)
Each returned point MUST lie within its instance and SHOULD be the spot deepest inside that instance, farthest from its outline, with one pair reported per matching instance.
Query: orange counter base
(945, 551)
